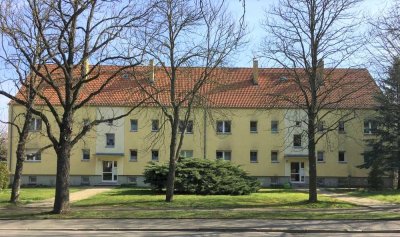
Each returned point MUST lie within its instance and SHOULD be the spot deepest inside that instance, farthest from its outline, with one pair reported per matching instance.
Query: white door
(297, 172)
(110, 171)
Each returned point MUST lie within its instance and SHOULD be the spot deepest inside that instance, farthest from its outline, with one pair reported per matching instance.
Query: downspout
(205, 134)
(10, 136)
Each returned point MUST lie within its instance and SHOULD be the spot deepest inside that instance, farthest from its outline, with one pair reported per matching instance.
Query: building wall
(204, 141)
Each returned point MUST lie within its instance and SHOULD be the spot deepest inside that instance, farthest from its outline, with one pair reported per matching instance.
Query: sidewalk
(73, 197)
(234, 225)
(365, 202)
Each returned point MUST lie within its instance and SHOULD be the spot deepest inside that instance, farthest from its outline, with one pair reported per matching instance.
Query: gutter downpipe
(205, 133)
(10, 136)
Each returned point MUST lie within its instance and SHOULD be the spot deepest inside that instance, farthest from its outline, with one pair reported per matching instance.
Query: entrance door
(110, 171)
(297, 172)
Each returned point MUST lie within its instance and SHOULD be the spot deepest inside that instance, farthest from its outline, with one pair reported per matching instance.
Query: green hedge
(202, 176)
(4, 175)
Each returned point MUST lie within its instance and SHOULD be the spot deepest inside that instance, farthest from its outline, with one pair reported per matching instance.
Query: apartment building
(243, 124)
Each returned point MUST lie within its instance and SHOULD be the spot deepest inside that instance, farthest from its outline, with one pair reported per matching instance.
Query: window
(85, 180)
(253, 157)
(274, 126)
(341, 127)
(110, 122)
(85, 154)
(132, 179)
(253, 126)
(320, 156)
(33, 155)
(134, 125)
(274, 156)
(370, 126)
(110, 139)
(35, 124)
(298, 123)
(154, 155)
(223, 155)
(32, 180)
(341, 157)
(186, 153)
(297, 140)
(321, 126)
(133, 155)
(189, 126)
(154, 125)
(223, 126)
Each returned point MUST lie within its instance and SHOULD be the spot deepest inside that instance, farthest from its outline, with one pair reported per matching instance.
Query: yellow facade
(205, 142)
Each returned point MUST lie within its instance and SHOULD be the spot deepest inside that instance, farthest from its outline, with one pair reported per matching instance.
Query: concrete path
(73, 197)
(203, 225)
(366, 202)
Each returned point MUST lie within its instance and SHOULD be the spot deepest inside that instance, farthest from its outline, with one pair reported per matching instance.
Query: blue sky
(254, 14)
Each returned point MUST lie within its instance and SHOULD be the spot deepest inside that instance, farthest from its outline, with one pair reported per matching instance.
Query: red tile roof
(230, 88)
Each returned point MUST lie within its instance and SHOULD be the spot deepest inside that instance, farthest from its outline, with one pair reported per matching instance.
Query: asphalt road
(179, 233)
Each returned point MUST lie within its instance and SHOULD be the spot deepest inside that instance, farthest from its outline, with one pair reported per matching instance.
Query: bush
(202, 176)
(4, 175)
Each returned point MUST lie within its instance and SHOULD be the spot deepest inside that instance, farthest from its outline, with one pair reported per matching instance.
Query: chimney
(86, 68)
(320, 70)
(255, 71)
(151, 70)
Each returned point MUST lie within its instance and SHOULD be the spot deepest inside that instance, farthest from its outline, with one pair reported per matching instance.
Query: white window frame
(85, 152)
(186, 154)
(153, 152)
(130, 155)
(252, 127)
(35, 125)
(137, 125)
(108, 135)
(36, 156)
(277, 157)
(189, 126)
(32, 180)
(319, 153)
(252, 152)
(153, 127)
(222, 126)
(273, 124)
(301, 142)
(344, 157)
(224, 155)
(369, 129)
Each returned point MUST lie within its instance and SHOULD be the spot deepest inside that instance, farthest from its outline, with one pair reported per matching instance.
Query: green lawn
(30, 194)
(265, 198)
(392, 196)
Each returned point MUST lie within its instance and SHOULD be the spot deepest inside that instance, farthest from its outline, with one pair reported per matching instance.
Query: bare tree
(70, 33)
(187, 34)
(301, 36)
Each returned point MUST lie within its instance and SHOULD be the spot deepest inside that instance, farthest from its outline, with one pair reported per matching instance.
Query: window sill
(274, 132)
(275, 162)
(254, 132)
(133, 130)
(132, 160)
(88, 160)
(342, 132)
(253, 162)
(110, 146)
(322, 162)
(154, 130)
(224, 133)
(298, 147)
(342, 162)
(33, 161)
(189, 133)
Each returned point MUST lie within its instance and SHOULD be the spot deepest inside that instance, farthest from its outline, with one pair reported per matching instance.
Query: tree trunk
(61, 201)
(20, 158)
(63, 150)
(312, 162)
(169, 196)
